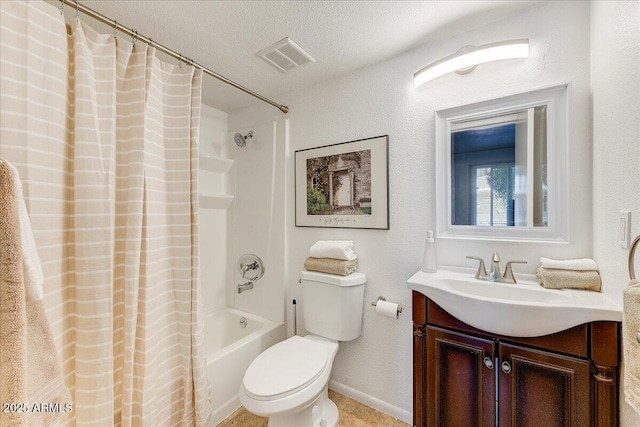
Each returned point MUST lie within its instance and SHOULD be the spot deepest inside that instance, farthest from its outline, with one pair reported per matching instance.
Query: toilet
(289, 381)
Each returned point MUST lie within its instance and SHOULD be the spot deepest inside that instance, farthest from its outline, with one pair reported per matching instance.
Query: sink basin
(525, 309)
(499, 291)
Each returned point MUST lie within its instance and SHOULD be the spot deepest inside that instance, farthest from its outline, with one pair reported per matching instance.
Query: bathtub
(230, 350)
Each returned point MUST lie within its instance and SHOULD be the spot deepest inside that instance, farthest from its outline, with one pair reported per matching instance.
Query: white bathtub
(230, 350)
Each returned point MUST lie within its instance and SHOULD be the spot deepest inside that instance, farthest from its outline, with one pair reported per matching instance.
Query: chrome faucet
(245, 287)
(247, 267)
(494, 274)
(481, 274)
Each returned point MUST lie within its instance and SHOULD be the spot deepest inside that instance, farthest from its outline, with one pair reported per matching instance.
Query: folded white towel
(336, 249)
(33, 277)
(581, 264)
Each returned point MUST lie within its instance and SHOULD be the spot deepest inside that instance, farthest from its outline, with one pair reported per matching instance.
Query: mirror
(501, 168)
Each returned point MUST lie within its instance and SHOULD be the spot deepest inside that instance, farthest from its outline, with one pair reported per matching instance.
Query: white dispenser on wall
(430, 260)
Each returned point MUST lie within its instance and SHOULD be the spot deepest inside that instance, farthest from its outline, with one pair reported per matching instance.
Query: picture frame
(344, 185)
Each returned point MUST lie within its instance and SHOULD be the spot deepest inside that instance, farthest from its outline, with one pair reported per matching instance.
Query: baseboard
(372, 402)
(224, 411)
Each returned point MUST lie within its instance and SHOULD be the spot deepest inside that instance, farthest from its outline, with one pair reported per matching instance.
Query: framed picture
(344, 185)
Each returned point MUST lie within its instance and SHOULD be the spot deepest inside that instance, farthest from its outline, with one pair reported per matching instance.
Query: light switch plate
(624, 229)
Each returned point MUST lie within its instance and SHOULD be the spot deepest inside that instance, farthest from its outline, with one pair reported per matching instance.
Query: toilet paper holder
(381, 298)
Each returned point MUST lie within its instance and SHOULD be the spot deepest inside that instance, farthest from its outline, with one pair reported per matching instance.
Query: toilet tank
(332, 305)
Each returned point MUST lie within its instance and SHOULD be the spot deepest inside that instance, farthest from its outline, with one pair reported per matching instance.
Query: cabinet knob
(506, 367)
(488, 362)
(638, 336)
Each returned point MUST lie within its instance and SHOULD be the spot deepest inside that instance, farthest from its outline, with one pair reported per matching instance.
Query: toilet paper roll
(387, 309)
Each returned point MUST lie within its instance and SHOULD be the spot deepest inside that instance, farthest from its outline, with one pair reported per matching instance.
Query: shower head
(240, 140)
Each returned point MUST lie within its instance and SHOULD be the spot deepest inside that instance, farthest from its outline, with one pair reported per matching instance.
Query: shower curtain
(105, 138)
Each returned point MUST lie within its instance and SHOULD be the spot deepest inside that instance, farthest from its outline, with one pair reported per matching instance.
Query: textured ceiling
(342, 35)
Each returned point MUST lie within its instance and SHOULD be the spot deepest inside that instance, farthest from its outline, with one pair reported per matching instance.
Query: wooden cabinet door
(537, 388)
(461, 384)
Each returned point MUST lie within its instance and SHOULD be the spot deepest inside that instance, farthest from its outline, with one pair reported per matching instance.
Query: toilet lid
(285, 368)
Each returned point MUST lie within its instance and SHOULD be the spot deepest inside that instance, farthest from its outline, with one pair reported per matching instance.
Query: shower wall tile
(259, 215)
(214, 233)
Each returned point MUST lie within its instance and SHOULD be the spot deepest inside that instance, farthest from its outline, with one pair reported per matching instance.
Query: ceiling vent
(285, 55)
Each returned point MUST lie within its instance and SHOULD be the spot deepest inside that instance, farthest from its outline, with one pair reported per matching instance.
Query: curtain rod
(134, 34)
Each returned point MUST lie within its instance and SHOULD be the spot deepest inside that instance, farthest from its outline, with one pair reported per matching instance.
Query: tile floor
(352, 414)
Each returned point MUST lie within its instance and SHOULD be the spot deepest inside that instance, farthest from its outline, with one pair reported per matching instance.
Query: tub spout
(245, 287)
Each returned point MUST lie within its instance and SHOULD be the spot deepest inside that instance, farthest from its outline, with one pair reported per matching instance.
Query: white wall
(615, 67)
(381, 100)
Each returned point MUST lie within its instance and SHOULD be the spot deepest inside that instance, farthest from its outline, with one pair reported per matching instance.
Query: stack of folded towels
(333, 257)
(572, 274)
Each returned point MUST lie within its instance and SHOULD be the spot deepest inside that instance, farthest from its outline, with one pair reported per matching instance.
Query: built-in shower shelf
(215, 164)
(215, 201)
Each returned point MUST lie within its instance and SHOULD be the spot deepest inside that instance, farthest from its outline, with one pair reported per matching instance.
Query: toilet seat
(285, 368)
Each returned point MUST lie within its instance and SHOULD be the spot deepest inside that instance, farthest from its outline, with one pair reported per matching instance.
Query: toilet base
(322, 413)
(331, 414)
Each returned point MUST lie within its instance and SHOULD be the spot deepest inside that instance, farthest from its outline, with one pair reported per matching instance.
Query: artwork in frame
(344, 185)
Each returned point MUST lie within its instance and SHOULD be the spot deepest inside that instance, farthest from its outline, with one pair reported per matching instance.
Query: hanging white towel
(336, 249)
(581, 264)
(631, 345)
(30, 372)
(33, 277)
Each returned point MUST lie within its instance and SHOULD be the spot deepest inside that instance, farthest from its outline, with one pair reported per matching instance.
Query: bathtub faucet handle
(250, 267)
(253, 266)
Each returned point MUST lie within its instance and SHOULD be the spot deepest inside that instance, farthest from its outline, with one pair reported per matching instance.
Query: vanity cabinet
(467, 377)
(461, 389)
(541, 388)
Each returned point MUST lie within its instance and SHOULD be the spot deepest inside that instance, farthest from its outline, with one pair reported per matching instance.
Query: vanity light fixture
(467, 58)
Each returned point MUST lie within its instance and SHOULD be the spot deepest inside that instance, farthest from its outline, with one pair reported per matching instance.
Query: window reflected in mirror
(499, 170)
